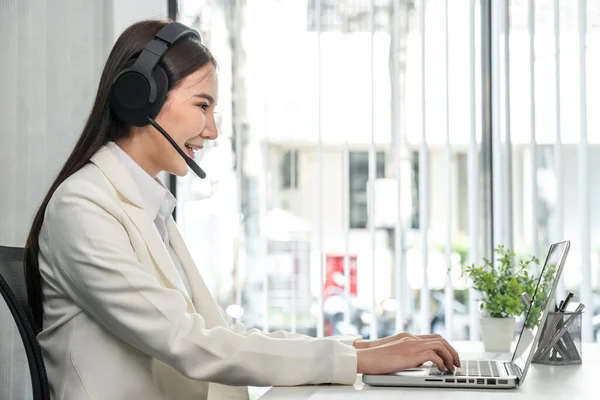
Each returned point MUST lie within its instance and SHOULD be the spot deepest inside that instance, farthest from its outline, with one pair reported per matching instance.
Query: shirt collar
(158, 200)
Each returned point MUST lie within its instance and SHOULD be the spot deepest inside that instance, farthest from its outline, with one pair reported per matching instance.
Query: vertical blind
(503, 132)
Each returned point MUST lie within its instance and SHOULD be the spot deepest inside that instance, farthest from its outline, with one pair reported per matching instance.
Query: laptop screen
(541, 303)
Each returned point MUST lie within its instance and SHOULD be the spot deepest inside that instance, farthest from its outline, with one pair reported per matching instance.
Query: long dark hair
(182, 59)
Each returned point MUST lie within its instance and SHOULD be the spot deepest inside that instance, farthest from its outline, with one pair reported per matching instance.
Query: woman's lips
(192, 149)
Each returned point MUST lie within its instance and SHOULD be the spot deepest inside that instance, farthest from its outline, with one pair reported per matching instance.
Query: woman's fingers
(438, 338)
(456, 358)
(432, 356)
(452, 351)
(418, 346)
(408, 351)
(441, 350)
(415, 344)
(433, 336)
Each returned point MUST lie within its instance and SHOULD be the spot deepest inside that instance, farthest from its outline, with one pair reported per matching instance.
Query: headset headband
(155, 49)
(140, 89)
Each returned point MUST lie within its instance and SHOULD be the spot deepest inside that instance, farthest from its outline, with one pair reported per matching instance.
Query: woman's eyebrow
(205, 96)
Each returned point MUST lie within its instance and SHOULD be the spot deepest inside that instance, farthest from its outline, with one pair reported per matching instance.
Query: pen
(557, 309)
(566, 336)
(564, 304)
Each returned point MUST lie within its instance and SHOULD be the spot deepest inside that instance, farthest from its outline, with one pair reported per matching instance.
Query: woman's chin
(182, 172)
(181, 169)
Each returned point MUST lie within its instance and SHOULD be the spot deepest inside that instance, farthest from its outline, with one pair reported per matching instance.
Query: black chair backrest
(13, 272)
(13, 290)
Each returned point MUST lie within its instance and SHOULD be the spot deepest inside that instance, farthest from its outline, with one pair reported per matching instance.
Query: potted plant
(500, 287)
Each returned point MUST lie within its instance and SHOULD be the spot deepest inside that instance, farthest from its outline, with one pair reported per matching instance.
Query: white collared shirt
(158, 202)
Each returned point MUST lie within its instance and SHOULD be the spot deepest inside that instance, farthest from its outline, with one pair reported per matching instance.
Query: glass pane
(258, 239)
(557, 184)
(254, 224)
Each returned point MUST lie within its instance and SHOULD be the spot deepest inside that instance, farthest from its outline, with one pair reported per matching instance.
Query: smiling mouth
(192, 149)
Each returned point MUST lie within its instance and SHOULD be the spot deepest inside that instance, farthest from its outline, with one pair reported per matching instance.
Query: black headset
(140, 89)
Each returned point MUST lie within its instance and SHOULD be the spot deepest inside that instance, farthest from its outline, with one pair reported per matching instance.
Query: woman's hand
(407, 352)
(367, 344)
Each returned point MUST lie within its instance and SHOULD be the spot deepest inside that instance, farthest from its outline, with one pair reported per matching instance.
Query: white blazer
(117, 321)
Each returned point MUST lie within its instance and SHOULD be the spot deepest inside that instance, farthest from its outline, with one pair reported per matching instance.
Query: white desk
(542, 382)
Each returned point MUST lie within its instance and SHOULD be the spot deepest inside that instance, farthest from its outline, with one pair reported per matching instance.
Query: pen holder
(560, 341)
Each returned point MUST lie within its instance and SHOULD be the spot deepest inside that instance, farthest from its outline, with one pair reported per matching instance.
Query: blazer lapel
(133, 206)
(203, 300)
(157, 249)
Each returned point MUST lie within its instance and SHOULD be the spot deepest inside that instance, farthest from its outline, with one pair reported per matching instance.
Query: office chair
(14, 292)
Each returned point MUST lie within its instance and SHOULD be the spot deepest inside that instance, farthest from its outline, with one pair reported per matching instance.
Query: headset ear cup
(162, 87)
(127, 94)
(125, 100)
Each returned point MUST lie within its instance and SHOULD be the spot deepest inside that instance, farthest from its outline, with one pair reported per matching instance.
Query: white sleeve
(92, 258)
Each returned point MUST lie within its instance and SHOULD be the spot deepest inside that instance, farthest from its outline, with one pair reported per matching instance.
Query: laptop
(490, 374)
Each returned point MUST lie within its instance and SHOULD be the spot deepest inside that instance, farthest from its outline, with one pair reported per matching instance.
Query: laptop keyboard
(470, 368)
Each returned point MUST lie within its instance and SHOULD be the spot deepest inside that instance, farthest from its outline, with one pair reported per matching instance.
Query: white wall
(52, 57)
(121, 13)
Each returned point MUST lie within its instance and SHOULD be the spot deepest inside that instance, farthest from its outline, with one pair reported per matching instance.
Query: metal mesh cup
(560, 341)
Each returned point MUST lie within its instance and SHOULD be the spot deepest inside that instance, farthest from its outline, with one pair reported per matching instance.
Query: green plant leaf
(500, 286)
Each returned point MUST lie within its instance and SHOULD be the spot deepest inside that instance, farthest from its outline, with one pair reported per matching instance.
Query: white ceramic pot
(497, 334)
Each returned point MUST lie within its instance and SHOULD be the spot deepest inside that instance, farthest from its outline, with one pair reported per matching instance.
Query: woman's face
(188, 117)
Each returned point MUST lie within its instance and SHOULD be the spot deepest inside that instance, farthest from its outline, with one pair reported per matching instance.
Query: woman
(123, 310)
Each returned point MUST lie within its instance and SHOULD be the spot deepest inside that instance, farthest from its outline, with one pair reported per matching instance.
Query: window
(414, 162)
(359, 176)
(349, 15)
(289, 170)
(216, 224)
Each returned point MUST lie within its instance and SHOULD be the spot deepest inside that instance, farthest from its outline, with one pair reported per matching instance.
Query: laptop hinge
(519, 373)
(513, 369)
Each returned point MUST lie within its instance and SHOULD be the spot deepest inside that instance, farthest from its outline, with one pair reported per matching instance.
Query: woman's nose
(210, 131)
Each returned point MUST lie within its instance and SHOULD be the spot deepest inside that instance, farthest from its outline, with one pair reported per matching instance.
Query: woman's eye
(203, 106)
